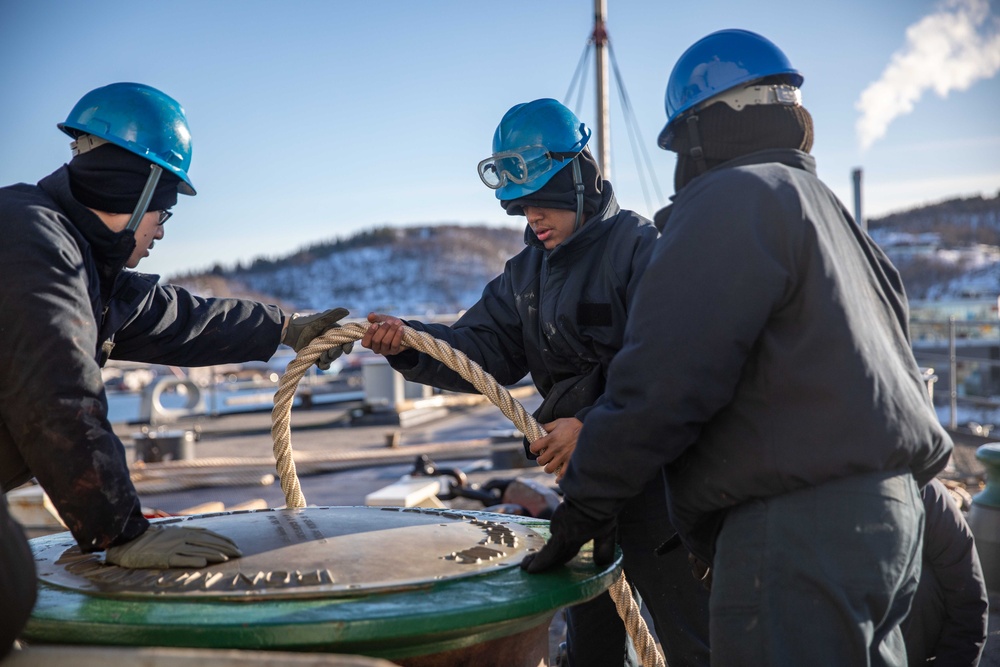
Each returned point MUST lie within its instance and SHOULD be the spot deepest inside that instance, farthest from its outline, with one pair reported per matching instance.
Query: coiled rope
(481, 380)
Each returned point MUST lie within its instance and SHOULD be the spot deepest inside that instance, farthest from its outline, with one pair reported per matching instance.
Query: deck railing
(962, 357)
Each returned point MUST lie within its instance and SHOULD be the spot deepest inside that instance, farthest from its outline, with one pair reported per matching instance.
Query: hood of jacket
(589, 231)
(110, 249)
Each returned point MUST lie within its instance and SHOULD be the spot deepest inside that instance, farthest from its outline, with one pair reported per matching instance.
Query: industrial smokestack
(856, 175)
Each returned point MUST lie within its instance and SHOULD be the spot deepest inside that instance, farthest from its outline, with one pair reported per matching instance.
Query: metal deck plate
(308, 553)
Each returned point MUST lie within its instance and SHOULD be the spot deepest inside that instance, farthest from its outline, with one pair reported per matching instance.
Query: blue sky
(314, 120)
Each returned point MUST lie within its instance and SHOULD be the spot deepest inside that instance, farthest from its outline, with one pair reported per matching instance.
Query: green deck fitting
(423, 619)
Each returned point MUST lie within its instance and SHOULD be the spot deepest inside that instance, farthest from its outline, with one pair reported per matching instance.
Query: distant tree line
(367, 238)
(957, 222)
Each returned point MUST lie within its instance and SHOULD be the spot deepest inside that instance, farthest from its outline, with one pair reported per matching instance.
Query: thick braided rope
(634, 623)
(477, 377)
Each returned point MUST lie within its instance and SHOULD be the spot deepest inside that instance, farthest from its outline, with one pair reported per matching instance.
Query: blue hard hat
(531, 144)
(719, 62)
(140, 119)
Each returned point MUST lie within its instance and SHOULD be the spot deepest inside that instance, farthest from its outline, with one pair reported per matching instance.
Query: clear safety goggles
(737, 98)
(518, 166)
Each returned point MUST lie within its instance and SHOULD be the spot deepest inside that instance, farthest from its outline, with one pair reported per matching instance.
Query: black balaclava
(560, 192)
(725, 134)
(110, 179)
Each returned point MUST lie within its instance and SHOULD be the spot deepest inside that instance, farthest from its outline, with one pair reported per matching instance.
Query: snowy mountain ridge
(416, 271)
(948, 250)
(944, 251)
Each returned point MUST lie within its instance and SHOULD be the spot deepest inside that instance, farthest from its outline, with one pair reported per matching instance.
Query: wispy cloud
(948, 50)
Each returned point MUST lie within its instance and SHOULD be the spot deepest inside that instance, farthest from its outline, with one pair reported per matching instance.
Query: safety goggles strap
(697, 151)
(562, 157)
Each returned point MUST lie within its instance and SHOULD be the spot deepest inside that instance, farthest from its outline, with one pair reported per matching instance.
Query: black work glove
(571, 529)
(303, 328)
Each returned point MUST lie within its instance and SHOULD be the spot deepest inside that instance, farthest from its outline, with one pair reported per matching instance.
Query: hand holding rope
(481, 380)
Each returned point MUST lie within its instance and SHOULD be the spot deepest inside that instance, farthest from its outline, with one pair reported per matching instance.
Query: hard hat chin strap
(579, 187)
(696, 151)
(155, 171)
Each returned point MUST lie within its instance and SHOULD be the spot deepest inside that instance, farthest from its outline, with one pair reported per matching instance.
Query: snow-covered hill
(416, 271)
(944, 251)
(949, 250)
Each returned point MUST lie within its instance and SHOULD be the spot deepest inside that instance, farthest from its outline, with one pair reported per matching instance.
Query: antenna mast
(606, 62)
(600, 40)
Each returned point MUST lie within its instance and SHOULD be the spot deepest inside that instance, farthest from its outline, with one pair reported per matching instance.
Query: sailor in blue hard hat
(732, 93)
(558, 314)
(541, 161)
(70, 303)
(131, 155)
(768, 375)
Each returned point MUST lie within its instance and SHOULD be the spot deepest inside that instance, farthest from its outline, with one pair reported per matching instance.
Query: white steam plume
(948, 50)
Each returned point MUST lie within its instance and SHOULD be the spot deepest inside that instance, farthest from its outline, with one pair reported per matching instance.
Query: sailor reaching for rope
(71, 301)
(558, 312)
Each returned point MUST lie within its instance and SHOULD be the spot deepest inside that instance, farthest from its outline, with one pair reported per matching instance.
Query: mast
(600, 39)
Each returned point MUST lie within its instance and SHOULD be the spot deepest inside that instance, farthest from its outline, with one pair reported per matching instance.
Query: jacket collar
(111, 249)
(790, 157)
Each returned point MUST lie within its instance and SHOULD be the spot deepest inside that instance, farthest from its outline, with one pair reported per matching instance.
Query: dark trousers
(676, 601)
(820, 576)
(17, 579)
(922, 627)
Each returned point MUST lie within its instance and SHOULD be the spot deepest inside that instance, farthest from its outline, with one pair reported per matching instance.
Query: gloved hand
(701, 571)
(161, 547)
(302, 329)
(571, 529)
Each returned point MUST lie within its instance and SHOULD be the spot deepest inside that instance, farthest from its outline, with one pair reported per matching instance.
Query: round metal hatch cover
(310, 552)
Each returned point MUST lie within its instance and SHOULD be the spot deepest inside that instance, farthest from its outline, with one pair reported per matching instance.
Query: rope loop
(477, 377)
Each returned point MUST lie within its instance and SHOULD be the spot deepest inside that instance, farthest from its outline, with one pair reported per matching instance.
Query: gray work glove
(162, 547)
(303, 328)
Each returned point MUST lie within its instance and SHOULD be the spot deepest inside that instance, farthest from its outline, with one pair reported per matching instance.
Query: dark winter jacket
(767, 350)
(558, 315)
(949, 615)
(65, 304)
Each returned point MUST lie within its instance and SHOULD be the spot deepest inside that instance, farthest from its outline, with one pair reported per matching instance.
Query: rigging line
(577, 74)
(632, 142)
(583, 86)
(630, 117)
(638, 166)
